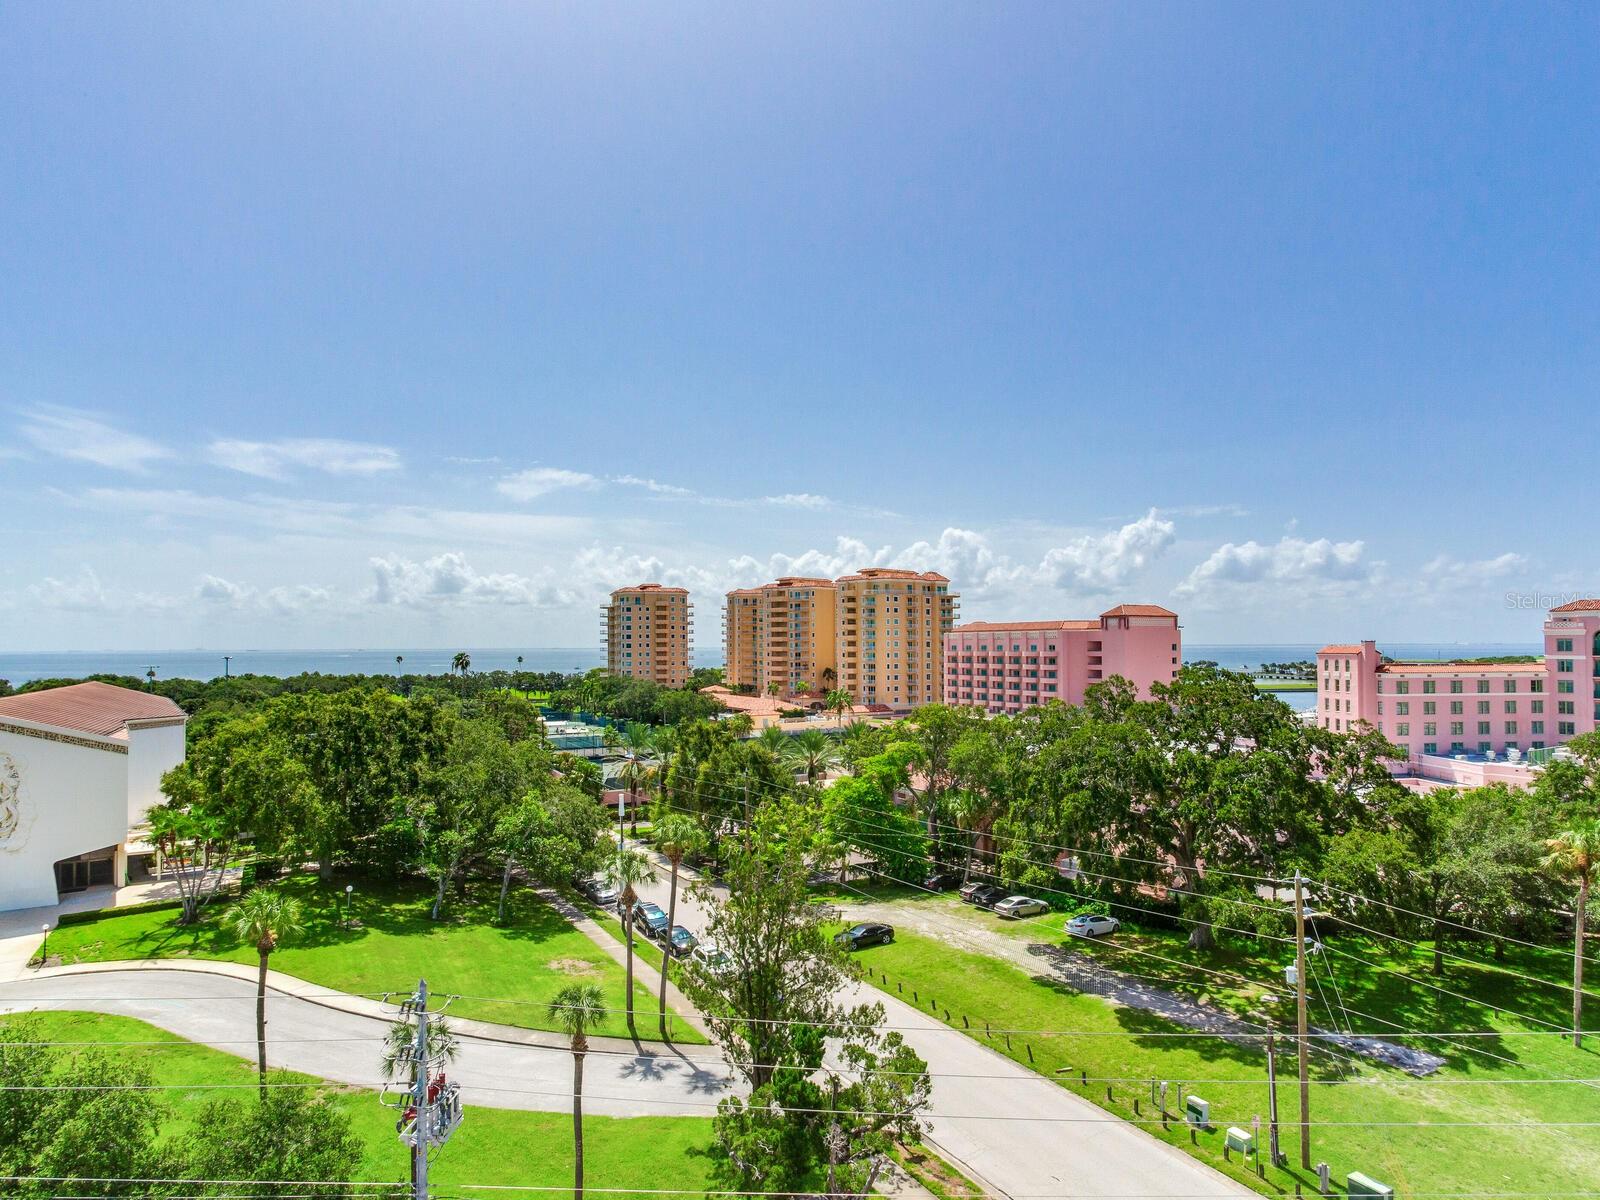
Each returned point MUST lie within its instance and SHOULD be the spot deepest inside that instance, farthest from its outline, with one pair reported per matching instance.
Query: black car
(943, 881)
(870, 934)
(649, 917)
(972, 888)
(989, 896)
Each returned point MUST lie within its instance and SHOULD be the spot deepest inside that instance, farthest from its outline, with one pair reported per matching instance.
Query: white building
(79, 768)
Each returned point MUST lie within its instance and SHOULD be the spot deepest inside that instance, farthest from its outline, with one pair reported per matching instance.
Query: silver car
(1021, 906)
(1092, 925)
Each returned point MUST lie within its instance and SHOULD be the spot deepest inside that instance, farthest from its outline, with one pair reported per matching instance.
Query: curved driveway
(306, 1035)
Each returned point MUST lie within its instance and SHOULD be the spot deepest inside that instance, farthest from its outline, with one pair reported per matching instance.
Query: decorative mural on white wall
(14, 815)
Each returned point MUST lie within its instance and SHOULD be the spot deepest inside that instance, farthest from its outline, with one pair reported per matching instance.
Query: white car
(712, 959)
(1021, 906)
(1092, 925)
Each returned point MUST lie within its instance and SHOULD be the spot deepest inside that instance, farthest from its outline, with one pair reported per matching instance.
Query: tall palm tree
(462, 662)
(815, 752)
(676, 836)
(638, 747)
(577, 1008)
(266, 917)
(398, 659)
(626, 873)
(774, 740)
(774, 689)
(1575, 855)
(829, 678)
(839, 701)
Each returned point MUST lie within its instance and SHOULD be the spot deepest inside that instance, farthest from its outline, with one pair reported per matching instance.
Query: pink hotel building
(1454, 708)
(1007, 666)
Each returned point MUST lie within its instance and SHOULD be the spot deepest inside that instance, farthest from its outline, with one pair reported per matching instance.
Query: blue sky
(329, 325)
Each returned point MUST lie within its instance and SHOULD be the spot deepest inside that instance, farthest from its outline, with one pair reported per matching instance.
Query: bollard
(1083, 1078)
(986, 1032)
(900, 987)
(1261, 1171)
(1030, 1051)
(1136, 1106)
(1227, 1152)
(1108, 1093)
(1008, 1039)
(947, 1016)
(915, 998)
(965, 1024)
(1193, 1140)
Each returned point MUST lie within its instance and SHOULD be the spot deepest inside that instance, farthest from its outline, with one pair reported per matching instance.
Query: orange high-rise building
(647, 632)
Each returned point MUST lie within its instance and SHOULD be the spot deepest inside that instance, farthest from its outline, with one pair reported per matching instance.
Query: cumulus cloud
(279, 459)
(1099, 563)
(1290, 560)
(84, 593)
(85, 437)
(652, 485)
(541, 481)
(450, 579)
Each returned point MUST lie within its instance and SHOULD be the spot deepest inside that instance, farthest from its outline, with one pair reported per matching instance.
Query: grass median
(1479, 1124)
(493, 1147)
(506, 973)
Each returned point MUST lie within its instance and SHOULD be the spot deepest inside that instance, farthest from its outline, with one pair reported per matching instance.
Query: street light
(348, 888)
(44, 946)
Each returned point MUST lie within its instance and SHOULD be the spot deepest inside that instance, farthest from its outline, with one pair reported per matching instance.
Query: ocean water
(206, 664)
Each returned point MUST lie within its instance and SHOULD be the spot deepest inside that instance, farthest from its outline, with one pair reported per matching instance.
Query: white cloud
(1100, 563)
(450, 579)
(86, 594)
(799, 500)
(541, 481)
(85, 437)
(278, 459)
(652, 485)
(1289, 561)
(213, 589)
(1445, 569)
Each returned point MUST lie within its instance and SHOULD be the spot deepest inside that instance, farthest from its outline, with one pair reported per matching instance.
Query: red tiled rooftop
(97, 708)
(1460, 668)
(1139, 610)
(895, 573)
(1042, 626)
(1579, 606)
(653, 588)
(1346, 648)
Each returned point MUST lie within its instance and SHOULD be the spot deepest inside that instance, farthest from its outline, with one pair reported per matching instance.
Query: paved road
(219, 1011)
(1057, 1152)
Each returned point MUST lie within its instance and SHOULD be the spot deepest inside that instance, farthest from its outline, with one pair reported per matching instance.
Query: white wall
(71, 799)
(151, 754)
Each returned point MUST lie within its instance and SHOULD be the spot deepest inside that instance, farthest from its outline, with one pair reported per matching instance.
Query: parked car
(943, 881)
(989, 895)
(598, 890)
(869, 934)
(682, 941)
(649, 917)
(971, 888)
(1021, 906)
(713, 959)
(1092, 925)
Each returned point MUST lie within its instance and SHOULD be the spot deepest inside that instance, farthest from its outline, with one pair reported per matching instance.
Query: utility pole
(1300, 1018)
(419, 1097)
(225, 658)
(1274, 1153)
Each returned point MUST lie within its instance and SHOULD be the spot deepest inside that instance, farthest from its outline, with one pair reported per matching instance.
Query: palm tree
(630, 869)
(815, 752)
(774, 740)
(1575, 854)
(266, 917)
(150, 674)
(462, 662)
(576, 1008)
(638, 746)
(774, 689)
(829, 678)
(839, 701)
(398, 1043)
(398, 659)
(802, 686)
(676, 837)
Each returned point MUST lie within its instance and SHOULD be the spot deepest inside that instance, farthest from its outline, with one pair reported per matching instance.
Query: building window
(1429, 687)
(1457, 687)
(1563, 645)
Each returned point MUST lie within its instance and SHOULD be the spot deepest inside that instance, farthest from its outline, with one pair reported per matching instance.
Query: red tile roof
(1461, 668)
(1343, 649)
(98, 708)
(654, 588)
(1139, 610)
(1045, 626)
(1580, 606)
(894, 573)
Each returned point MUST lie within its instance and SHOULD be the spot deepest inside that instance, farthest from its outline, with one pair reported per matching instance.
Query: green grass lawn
(1482, 1081)
(493, 1145)
(503, 973)
(1287, 685)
